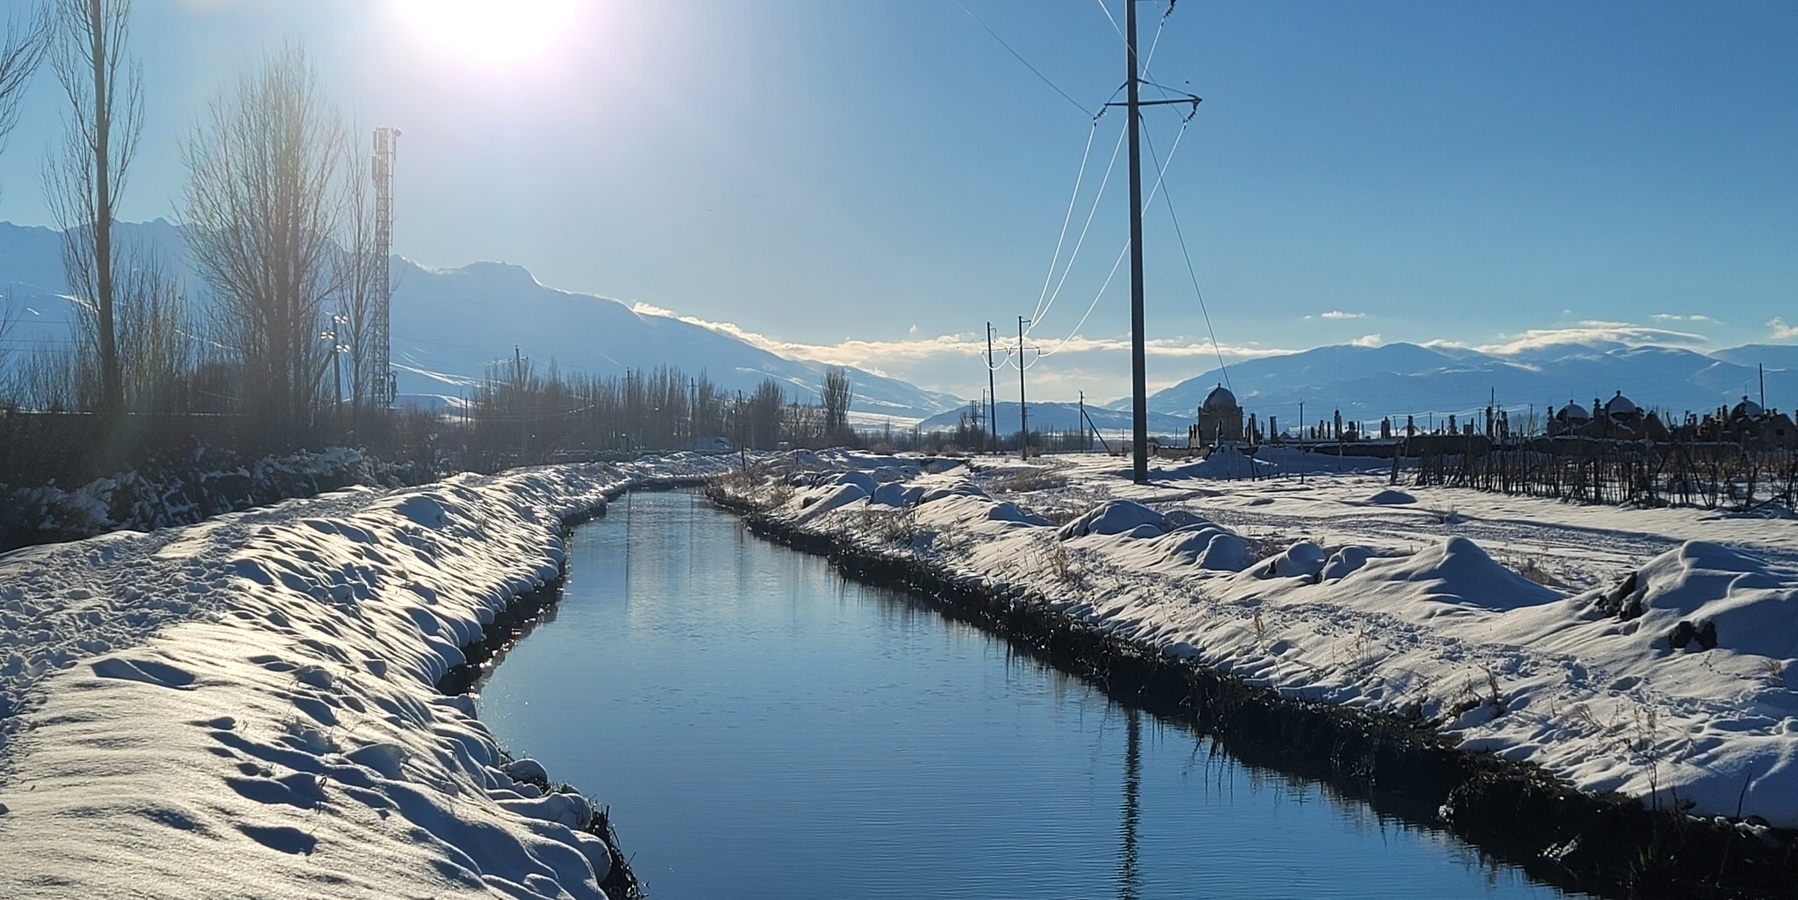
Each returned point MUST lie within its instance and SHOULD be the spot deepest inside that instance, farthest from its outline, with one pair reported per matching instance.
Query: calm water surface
(762, 728)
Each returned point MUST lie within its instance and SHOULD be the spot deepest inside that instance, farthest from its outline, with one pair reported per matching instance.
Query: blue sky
(873, 181)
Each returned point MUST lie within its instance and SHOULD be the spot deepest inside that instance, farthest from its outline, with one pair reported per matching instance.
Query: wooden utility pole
(1023, 420)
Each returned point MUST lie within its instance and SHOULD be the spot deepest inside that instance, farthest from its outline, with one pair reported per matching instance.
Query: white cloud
(1782, 331)
(1592, 332)
(1368, 340)
(1674, 317)
(1338, 314)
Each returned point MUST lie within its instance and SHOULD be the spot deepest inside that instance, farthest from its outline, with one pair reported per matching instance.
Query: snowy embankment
(1646, 652)
(246, 707)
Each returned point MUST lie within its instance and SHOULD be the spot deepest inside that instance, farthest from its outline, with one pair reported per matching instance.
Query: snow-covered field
(1651, 652)
(245, 707)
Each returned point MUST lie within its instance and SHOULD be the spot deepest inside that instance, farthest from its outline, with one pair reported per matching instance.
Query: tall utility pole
(1023, 420)
(992, 393)
(1139, 379)
(386, 140)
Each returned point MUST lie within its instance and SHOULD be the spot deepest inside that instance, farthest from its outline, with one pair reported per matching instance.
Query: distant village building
(1618, 418)
(1220, 419)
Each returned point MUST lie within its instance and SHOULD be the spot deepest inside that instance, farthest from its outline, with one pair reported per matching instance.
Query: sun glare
(489, 32)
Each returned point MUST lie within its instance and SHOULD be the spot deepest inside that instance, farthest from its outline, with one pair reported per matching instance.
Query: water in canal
(762, 728)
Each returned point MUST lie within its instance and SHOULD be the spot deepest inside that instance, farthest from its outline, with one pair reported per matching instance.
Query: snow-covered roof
(1620, 406)
(1220, 397)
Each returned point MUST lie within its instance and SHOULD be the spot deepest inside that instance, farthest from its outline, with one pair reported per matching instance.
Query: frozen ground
(1650, 652)
(244, 707)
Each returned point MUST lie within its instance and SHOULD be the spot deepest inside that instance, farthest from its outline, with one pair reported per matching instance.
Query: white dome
(1220, 396)
(1620, 406)
(1747, 409)
(1573, 411)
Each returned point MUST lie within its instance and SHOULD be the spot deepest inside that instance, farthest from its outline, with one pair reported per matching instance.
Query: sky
(872, 182)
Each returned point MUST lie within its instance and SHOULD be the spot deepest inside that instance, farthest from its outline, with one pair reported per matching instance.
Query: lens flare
(490, 32)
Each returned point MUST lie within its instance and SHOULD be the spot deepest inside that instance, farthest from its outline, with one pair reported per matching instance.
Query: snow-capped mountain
(1367, 383)
(450, 324)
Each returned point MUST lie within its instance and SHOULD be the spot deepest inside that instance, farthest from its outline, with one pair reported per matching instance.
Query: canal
(761, 727)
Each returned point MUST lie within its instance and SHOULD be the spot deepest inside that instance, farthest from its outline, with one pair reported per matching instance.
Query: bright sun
(489, 32)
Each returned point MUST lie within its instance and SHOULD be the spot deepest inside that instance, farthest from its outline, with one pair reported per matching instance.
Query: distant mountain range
(1367, 383)
(450, 324)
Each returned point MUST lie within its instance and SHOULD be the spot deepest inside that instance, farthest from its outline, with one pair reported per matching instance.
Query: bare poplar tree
(835, 397)
(82, 185)
(21, 49)
(263, 205)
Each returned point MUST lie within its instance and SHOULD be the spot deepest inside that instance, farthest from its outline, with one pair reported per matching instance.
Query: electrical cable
(1067, 217)
(1160, 176)
(1020, 58)
(1193, 273)
(1085, 228)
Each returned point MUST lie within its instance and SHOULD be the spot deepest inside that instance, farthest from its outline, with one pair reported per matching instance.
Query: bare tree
(263, 206)
(21, 49)
(82, 185)
(762, 415)
(27, 35)
(835, 397)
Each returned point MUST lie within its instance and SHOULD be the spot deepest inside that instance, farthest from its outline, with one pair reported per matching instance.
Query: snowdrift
(1599, 644)
(269, 727)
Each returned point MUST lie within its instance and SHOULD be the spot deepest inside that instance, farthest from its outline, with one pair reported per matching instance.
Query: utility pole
(1139, 390)
(1023, 419)
(992, 393)
(1139, 379)
(1084, 446)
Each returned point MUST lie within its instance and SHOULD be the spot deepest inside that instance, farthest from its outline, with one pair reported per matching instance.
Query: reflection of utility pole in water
(1129, 882)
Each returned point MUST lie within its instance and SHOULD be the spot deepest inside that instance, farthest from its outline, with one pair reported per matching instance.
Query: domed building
(1220, 418)
(1622, 410)
(1747, 409)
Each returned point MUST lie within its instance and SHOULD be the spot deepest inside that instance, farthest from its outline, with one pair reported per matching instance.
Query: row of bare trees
(523, 415)
(277, 217)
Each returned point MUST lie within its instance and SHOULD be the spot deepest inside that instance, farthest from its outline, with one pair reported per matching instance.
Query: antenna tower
(386, 140)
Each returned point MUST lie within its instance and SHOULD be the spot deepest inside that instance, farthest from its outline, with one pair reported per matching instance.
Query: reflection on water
(762, 728)
(1132, 811)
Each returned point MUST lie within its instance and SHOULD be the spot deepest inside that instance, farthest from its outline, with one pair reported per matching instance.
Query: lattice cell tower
(386, 141)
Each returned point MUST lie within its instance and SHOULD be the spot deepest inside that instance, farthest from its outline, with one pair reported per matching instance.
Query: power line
(1160, 176)
(1111, 166)
(1191, 272)
(1020, 58)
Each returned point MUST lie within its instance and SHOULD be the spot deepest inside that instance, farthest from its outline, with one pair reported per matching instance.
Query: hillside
(1366, 383)
(450, 324)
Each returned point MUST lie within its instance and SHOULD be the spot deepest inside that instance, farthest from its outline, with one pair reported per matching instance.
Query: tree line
(522, 414)
(277, 216)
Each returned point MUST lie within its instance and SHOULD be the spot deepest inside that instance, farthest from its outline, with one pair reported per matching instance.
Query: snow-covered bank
(1645, 652)
(245, 707)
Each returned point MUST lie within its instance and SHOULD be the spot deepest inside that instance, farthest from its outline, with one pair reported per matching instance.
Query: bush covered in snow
(182, 491)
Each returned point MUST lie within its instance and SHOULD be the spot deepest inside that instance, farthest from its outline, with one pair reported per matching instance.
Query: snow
(245, 706)
(1652, 652)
